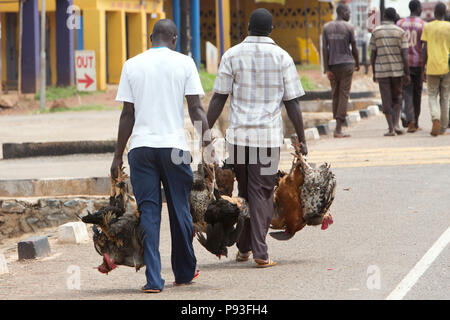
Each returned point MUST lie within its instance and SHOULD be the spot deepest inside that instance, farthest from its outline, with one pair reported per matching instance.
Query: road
(390, 210)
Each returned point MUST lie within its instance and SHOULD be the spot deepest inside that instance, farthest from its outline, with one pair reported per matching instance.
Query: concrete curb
(26, 150)
(73, 232)
(33, 248)
(54, 187)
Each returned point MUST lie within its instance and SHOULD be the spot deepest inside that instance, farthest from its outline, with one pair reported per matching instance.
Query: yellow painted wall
(95, 39)
(226, 26)
(117, 49)
(50, 5)
(121, 5)
(137, 33)
(52, 23)
(289, 20)
(3, 35)
(94, 12)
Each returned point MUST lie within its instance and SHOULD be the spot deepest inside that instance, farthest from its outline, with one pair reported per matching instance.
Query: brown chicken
(302, 197)
(120, 238)
(225, 179)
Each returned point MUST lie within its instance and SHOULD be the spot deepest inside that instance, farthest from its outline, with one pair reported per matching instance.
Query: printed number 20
(411, 35)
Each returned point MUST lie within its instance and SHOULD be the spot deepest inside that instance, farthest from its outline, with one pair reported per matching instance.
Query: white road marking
(419, 269)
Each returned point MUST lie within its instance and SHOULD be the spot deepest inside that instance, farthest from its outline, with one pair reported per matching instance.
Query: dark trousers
(256, 170)
(391, 95)
(412, 96)
(149, 167)
(340, 89)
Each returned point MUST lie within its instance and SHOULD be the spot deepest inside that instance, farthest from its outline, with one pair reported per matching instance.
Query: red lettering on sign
(85, 62)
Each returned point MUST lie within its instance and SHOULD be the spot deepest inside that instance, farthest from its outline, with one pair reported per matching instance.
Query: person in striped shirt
(389, 59)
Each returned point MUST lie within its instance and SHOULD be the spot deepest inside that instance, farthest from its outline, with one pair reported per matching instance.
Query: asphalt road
(390, 210)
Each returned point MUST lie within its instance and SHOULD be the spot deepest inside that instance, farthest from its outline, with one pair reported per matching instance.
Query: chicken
(303, 197)
(225, 218)
(225, 179)
(118, 236)
(201, 195)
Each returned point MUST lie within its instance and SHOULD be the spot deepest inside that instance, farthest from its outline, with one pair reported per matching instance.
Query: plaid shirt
(259, 76)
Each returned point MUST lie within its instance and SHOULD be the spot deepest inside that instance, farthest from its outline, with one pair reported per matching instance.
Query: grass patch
(93, 107)
(55, 93)
(308, 67)
(308, 84)
(207, 80)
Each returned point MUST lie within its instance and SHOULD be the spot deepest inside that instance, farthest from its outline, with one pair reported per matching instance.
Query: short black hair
(391, 14)
(164, 29)
(341, 8)
(414, 5)
(440, 10)
(261, 22)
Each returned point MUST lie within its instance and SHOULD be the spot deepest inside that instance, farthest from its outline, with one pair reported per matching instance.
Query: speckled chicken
(118, 236)
(303, 197)
(201, 194)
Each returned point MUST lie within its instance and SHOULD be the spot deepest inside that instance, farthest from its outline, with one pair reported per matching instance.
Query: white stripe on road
(419, 269)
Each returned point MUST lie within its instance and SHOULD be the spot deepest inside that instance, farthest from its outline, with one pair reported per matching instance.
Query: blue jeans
(149, 167)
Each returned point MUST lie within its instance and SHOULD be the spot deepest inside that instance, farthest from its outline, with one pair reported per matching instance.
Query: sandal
(341, 135)
(196, 275)
(265, 263)
(242, 257)
(144, 289)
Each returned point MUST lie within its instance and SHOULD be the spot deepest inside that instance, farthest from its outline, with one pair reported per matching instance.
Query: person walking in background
(389, 60)
(260, 77)
(412, 93)
(340, 56)
(436, 50)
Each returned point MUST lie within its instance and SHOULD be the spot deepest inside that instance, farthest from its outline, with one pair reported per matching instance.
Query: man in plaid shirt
(259, 77)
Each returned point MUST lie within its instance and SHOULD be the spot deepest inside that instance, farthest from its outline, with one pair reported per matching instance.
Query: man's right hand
(330, 75)
(115, 166)
(304, 148)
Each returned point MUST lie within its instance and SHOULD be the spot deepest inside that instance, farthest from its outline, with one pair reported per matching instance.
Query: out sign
(85, 70)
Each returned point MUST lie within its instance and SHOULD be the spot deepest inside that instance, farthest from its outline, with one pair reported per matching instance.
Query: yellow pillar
(137, 33)
(223, 26)
(117, 45)
(95, 39)
(3, 53)
(53, 67)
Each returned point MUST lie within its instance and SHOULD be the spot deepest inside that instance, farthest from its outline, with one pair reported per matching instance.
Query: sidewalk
(367, 147)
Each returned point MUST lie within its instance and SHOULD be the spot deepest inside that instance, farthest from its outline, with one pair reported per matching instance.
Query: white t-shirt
(157, 81)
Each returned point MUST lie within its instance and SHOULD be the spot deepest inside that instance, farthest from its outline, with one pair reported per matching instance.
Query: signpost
(85, 70)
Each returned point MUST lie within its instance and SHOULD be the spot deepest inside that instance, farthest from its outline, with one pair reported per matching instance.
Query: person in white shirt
(152, 88)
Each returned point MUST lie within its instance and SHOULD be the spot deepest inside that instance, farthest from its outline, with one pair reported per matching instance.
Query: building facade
(298, 24)
(115, 29)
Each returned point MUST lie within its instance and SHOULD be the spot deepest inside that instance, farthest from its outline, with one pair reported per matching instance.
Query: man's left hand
(209, 154)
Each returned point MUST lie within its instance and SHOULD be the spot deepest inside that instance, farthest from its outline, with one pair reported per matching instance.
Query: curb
(54, 187)
(26, 150)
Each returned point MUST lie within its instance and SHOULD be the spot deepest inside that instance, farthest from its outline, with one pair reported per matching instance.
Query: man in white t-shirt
(152, 88)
